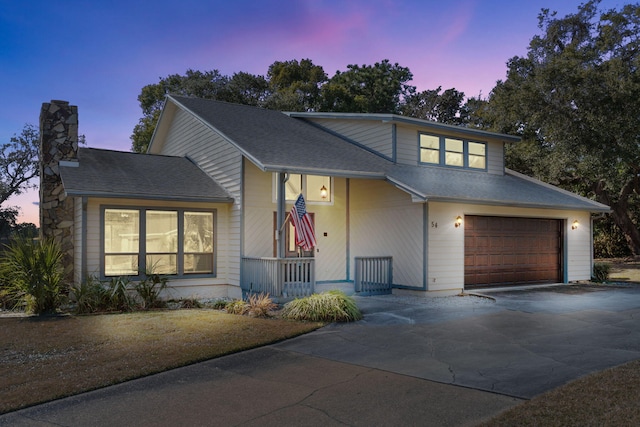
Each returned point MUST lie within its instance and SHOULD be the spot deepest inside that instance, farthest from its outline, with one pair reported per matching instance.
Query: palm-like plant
(33, 270)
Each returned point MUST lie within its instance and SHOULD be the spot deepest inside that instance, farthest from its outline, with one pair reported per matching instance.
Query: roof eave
(145, 196)
(395, 118)
(517, 204)
(324, 172)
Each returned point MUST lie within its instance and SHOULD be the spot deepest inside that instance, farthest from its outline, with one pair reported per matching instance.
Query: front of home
(417, 205)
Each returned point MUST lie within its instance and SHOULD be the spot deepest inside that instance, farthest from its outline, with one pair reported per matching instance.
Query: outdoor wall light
(575, 224)
(323, 192)
(458, 222)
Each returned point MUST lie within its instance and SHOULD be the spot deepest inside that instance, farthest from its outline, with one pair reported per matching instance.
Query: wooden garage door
(511, 251)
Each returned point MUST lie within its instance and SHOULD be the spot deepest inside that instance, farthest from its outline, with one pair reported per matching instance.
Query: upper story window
(439, 150)
(314, 188)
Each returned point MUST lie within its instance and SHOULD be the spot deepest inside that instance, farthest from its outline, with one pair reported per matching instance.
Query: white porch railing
(373, 275)
(279, 277)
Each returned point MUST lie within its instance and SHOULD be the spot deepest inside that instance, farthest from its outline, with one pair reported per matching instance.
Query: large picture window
(439, 150)
(174, 242)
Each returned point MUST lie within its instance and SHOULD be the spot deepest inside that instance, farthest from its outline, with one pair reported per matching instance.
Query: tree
(19, 163)
(8, 221)
(378, 88)
(245, 88)
(445, 107)
(210, 85)
(575, 101)
(295, 86)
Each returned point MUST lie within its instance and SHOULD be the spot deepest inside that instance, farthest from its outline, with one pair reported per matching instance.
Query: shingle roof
(511, 189)
(276, 141)
(106, 173)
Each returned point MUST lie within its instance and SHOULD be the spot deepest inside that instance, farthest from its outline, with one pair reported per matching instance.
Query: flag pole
(285, 221)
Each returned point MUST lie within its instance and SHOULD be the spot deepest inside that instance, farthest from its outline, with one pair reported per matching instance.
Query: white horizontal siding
(375, 135)
(187, 136)
(407, 145)
(495, 158)
(384, 222)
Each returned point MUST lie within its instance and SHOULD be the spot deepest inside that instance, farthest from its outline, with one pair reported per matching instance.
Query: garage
(503, 251)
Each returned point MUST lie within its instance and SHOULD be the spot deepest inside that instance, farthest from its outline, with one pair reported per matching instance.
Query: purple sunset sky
(98, 55)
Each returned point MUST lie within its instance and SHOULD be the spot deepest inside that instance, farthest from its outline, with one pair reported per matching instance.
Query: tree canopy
(19, 163)
(303, 86)
(575, 100)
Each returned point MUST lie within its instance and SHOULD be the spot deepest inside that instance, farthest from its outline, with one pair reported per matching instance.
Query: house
(397, 202)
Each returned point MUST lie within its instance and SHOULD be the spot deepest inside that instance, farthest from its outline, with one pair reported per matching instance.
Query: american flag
(305, 236)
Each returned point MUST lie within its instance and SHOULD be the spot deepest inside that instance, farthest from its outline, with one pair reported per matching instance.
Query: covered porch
(289, 278)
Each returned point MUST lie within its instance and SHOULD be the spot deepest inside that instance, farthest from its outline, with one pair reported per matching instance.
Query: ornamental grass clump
(330, 306)
(258, 305)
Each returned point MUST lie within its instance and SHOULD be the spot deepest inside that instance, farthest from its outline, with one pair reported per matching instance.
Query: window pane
(477, 155)
(162, 231)
(198, 232)
(454, 159)
(162, 263)
(477, 162)
(430, 156)
(293, 187)
(429, 141)
(120, 265)
(453, 145)
(121, 228)
(198, 242)
(314, 187)
(477, 148)
(198, 263)
(454, 152)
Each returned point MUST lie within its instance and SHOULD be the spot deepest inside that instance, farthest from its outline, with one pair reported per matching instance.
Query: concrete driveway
(412, 361)
(523, 344)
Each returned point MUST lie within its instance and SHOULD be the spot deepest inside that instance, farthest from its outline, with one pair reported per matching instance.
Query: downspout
(83, 256)
(348, 230)
(425, 246)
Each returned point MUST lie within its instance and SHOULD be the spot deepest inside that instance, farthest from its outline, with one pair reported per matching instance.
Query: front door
(290, 248)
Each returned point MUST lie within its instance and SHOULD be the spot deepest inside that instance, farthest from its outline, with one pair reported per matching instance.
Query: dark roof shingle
(107, 173)
(278, 142)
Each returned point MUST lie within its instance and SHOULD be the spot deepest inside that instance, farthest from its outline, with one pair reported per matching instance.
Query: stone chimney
(58, 142)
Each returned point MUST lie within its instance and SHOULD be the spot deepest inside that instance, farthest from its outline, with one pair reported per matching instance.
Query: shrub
(331, 306)
(90, 296)
(601, 272)
(149, 289)
(118, 293)
(33, 272)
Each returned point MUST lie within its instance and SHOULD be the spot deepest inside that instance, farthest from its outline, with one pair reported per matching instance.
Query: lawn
(52, 357)
(45, 358)
(624, 270)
